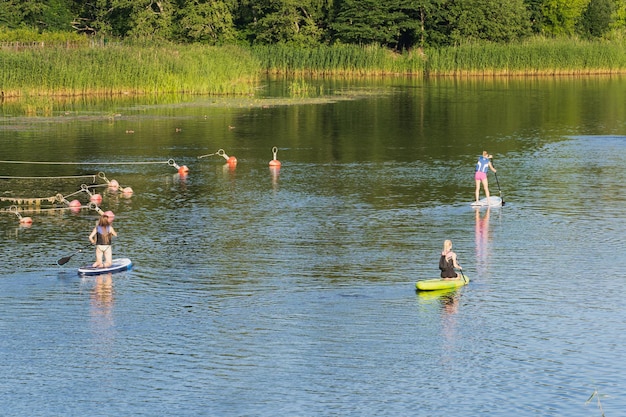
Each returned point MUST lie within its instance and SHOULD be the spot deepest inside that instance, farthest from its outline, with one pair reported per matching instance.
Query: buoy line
(64, 177)
(88, 163)
(29, 201)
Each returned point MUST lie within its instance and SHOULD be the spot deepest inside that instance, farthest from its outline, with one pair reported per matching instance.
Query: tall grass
(538, 56)
(335, 60)
(233, 70)
(128, 70)
(535, 56)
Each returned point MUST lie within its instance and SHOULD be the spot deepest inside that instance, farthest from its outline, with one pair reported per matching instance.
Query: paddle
(463, 275)
(66, 259)
(498, 182)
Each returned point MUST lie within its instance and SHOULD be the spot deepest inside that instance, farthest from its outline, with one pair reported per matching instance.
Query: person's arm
(92, 236)
(112, 230)
(491, 166)
(454, 262)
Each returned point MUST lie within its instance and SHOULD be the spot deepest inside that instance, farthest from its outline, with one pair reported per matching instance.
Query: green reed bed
(234, 70)
(534, 57)
(128, 70)
(335, 60)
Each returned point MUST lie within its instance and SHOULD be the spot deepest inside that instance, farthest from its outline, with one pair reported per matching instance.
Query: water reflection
(101, 311)
(275, 171)
(448, 301)
(482, 240)
(102, 297)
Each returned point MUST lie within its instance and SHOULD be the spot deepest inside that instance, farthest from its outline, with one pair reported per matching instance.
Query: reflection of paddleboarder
(103, 292)
(482, 166)
(450, 303)
(482, 227)
(482, 233)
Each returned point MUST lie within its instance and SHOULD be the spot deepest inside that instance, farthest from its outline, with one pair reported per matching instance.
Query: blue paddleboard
(493, 202)
(118, 265)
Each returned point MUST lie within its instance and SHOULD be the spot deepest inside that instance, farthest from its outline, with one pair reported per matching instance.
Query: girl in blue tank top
(480, 177)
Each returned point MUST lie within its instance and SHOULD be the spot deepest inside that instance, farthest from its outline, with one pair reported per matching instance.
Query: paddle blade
(63, 261)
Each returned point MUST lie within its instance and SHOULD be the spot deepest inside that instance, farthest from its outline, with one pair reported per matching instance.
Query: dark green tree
(206, 21)
(51, 15)
(535, 14)
(560, 17)
(147, 19)
(94, 18)
(365, 22)
(487, 20)
(597, 18)
(283, 21)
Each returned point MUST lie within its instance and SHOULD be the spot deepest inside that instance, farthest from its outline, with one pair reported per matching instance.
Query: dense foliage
(396, 24)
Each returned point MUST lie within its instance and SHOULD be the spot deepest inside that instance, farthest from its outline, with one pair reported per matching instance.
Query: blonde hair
(447, 245)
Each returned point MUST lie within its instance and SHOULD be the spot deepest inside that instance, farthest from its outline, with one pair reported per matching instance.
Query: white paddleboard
(493, 202)
(118, 265)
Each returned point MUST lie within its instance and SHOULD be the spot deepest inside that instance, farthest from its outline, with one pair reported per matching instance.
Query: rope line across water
(88, 163)
(93, 177)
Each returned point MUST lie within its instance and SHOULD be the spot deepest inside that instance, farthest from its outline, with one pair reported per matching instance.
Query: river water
(264, 292)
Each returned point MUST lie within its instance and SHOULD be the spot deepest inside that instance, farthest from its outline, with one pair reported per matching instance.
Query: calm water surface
(258, 292)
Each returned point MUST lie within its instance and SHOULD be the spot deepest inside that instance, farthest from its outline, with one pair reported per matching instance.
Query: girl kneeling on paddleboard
(450, 261)
(101, 236)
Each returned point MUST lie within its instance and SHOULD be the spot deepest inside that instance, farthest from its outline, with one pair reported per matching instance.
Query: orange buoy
(96, 198)
(114, 185)
(110, 215)
(230, 160)
(183, 170)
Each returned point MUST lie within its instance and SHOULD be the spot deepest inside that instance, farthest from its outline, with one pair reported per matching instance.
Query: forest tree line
(395, 24)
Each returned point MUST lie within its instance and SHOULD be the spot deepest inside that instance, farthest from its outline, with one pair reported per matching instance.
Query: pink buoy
(275, 162)
(96, 198)
(110, 215)
(26, 221)
(114, 185)
(127, 191)
(75, 204)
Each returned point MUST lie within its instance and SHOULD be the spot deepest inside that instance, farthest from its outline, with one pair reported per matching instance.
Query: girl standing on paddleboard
(101, 236)
(482, 166)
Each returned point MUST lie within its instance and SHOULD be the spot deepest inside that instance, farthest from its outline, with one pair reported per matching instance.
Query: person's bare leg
(486, 187)
(108, 257)
(477, 190)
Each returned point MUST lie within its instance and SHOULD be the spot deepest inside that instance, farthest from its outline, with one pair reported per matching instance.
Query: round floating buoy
(26, 221)
(75, 204)
(231, 160)
(274, 162)
(183, 170)
(96, 198)
(114, 185)
(110, 215)
(127, 191)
